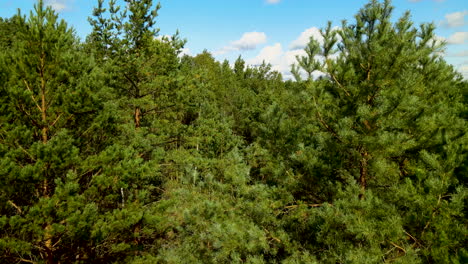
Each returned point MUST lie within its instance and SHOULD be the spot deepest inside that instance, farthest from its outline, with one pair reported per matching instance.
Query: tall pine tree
(388, 142)
(70, 189)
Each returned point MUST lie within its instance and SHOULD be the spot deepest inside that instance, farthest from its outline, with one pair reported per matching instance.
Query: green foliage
(385, 129)
(120, 150)
(65, 177)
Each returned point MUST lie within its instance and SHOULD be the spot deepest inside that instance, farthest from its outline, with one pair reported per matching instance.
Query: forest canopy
(120, 149)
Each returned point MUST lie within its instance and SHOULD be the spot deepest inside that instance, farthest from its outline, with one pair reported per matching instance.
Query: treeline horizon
(119, 149)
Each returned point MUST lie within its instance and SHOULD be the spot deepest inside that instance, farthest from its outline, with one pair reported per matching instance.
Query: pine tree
(8, 32)
(387, 130)
(70, 190)
(127, 39)
(117, 150)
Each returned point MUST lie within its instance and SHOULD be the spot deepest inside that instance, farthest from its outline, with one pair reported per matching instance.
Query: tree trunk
(363, 173)
(45, 183)
(43, 109)
(137, 117)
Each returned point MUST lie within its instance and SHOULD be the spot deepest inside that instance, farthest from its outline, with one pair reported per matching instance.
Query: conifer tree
(117, 150)
(127, 38)
(70, 191)
(8, 29)
(387, 128)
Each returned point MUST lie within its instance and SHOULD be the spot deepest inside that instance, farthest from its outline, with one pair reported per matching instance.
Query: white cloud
(273, 1)
(248, 41)
(279, 59)
(458, 38)
(58, 5)
(302, 41)
(269, 54)
(437, 40)
(185, 51)
(304, 38)
(456, 19)
(463, 69)
(162, 37)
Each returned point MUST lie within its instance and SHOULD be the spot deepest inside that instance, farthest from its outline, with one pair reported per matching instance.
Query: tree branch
(55, 121)
(397, 246)
(434, 211)
(146, 94)
(33, 121)
(336, 80)
(26, 260)
(297, 205)
(328, 127)
(27, 153)
(15, 206)
(324, 123)
(32, 95)
(133, 84)
(157, 110)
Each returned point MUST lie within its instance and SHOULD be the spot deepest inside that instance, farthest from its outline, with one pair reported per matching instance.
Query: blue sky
(270, 30)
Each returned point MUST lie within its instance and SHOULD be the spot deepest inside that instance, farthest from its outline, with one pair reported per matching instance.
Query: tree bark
(45, 183)
(137, 117)
(363, 173)
(43, 109)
